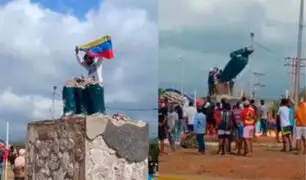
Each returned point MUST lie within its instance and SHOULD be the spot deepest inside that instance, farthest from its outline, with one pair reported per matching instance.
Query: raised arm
(99, 62)
(78, 58)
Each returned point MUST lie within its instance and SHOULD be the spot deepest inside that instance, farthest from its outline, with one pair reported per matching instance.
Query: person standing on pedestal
(94, 68)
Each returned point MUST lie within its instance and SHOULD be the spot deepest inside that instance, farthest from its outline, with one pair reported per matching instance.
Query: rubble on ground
(80, 82)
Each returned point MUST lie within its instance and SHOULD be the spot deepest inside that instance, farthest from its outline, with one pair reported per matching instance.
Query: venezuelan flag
(101, 48)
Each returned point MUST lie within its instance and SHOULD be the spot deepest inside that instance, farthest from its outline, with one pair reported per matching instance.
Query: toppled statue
(222, 81)
(239, 60)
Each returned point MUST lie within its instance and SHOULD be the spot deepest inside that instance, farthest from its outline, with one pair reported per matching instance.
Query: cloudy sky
(203, 33)
(37, 40)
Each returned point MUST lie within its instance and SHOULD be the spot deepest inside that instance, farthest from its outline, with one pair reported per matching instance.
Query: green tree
(160, 91)
(154, 149)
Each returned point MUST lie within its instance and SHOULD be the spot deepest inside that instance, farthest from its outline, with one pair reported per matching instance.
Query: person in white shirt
(188, 114)
(284, 117)
(191, 111)
(93, 67)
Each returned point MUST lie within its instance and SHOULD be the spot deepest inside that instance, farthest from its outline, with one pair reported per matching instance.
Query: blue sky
(75, 7)
(45, 34)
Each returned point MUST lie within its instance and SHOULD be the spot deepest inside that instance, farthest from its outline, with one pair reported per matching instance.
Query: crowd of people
(231, 123)
(15, 160)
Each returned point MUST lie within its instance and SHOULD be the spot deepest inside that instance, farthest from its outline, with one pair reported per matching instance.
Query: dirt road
(267, 163)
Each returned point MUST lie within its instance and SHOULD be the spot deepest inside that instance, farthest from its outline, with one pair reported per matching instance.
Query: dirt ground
(267, 163)
(10, 175)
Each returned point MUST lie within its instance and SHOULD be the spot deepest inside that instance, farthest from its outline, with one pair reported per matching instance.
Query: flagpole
(6, 145)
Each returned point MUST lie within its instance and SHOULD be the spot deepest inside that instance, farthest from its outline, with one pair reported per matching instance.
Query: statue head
(248, 51)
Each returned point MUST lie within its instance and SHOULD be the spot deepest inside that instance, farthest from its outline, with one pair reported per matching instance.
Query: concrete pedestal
(87, 148)
(222, 88)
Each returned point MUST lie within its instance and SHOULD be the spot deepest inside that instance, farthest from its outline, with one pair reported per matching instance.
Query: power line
(269, 50)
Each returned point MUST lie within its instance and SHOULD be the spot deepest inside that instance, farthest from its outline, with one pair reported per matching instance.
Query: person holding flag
(100, 49)
(95, 53)
(94, 68)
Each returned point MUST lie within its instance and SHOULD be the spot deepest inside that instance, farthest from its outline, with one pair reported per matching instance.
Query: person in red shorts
(248, 117)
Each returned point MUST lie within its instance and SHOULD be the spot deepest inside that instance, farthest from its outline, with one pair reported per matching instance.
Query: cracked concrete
(96, 147)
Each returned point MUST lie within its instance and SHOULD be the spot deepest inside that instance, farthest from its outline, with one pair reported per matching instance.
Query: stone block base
(222, 88)
(87, 148)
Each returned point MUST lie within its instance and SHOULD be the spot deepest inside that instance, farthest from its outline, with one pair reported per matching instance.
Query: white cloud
(32, 106)
(190, 12)
(37, 52)
(281, 10)
(38, 107)
(214, 14)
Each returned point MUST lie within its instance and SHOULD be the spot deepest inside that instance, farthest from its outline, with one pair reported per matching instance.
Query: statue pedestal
(222, 88)
(87, 148)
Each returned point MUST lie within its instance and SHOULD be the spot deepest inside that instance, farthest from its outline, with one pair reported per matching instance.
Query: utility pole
(299, 54)
(255, 83)
(292, 64)
(252, 35)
